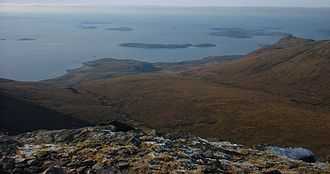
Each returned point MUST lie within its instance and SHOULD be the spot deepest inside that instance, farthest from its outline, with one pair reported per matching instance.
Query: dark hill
(17, 116)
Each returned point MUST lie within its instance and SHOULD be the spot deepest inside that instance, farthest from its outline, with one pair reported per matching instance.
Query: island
(95, 23)
(205, 45)
(88, 27)
(26, 39)
(241, 33)
(119, 29)
(165, 46)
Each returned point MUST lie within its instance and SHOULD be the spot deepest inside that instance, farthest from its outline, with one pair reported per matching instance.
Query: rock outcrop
(110, 149)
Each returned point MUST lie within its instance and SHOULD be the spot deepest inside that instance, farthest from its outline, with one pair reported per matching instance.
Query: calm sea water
(40, 43)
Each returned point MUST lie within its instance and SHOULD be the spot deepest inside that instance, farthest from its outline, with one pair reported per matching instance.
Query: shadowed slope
(19, 116)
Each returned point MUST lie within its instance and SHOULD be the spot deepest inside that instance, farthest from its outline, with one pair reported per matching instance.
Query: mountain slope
(19, 116)
(276, 95)
(293, 67)
(174, 103)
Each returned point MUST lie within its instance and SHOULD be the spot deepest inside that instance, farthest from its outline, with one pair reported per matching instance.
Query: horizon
(175, 3)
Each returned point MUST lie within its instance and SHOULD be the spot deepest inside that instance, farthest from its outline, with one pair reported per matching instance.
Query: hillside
(110, 149)
(108, 68)
(294, 67)
(19, 116)
(275, 95)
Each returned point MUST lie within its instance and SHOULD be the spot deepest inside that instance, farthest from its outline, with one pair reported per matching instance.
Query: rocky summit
(119, 148)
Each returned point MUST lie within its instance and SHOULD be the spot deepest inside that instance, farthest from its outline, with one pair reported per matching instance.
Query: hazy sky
(286, 3)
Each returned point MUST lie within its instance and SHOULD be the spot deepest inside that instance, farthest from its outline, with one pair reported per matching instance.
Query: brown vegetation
(276, 95)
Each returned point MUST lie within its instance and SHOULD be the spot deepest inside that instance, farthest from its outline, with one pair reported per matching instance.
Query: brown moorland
(275, 95)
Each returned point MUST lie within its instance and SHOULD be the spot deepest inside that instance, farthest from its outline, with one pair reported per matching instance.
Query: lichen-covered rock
(109, 149)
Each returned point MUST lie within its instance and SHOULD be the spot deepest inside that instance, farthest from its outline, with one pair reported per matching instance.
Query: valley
(275, 95)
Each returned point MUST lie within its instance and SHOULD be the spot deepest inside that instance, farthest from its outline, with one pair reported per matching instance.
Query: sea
(42, 42)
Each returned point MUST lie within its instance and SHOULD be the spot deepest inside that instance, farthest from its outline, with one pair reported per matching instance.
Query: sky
(263, 3)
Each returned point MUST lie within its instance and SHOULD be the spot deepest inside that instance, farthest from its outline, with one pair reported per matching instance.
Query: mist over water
(41, 43)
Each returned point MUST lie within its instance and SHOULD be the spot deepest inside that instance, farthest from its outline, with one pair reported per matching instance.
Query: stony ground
(122, 149)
